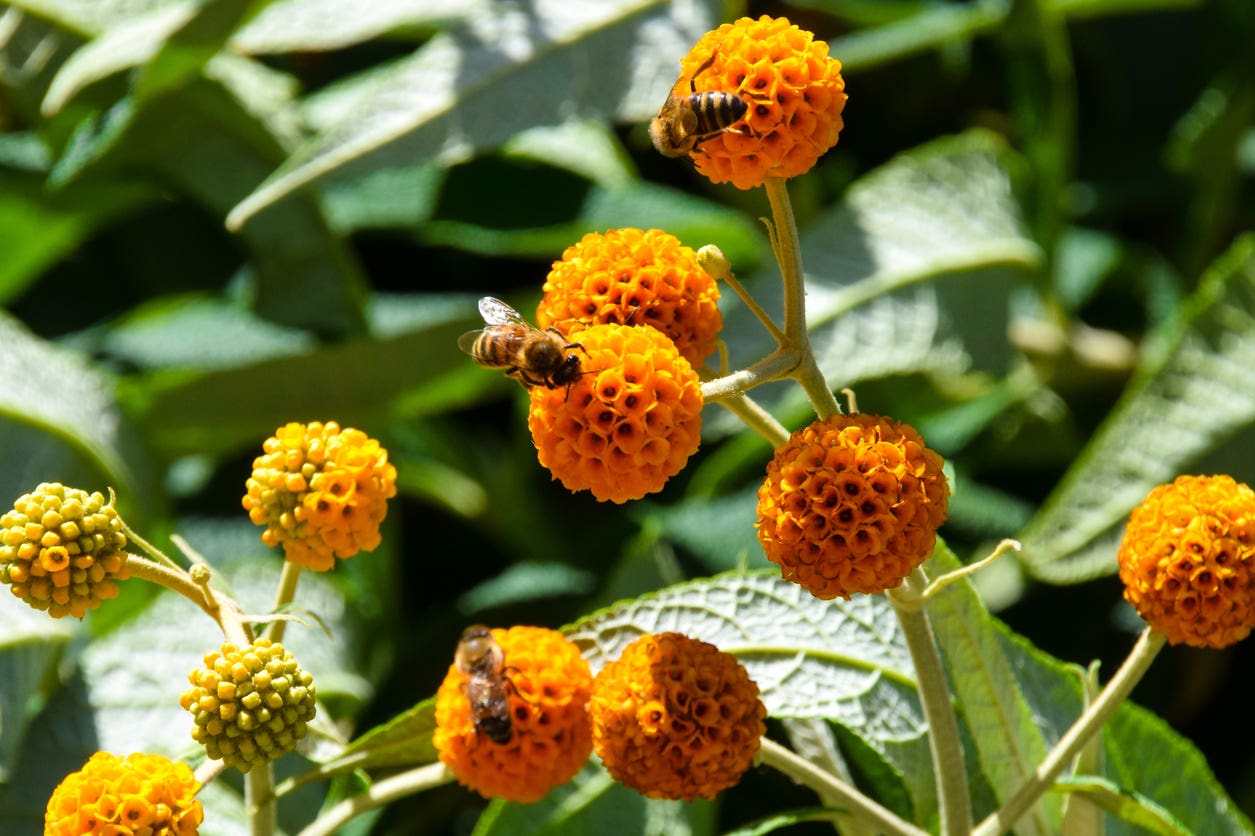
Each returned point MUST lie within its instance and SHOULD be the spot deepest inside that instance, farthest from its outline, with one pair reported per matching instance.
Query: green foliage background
(1032, 243)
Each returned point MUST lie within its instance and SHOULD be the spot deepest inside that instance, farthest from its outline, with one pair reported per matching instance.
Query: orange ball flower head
(512, 712)
(628, 423)
(321, 492)
(139, 795)
(634, 278)
(62, 550)
(794, 94)
(677, 718)
(1187, 560)
(851, 504)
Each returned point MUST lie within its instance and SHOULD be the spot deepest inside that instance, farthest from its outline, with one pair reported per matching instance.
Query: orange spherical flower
(62, 550)
(1187, 560)
(674, 717)
(528, 731)
(634, 278)
(628, 423)
(793, 89)
(139, 795)
(851, 504)
(320, 491)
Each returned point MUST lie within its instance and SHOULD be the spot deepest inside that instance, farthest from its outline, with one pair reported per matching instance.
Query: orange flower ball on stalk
(547, 737)
(62, 550)
(321, 492)
(674, 717)
(850, 504)
(794, 91)
(1187, 560)
(628, 423)
(634, 278)
(143, 795)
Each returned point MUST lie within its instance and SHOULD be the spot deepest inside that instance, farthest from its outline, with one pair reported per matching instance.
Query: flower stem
(934, 693)
(285, 594)
(226, 616)
(780, 363)
(756, 418)
(1090, 722)
(259, 800)
(827, 785)
(789, 254)
(380, 793)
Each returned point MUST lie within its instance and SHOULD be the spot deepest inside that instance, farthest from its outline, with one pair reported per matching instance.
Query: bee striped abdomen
(716, 111)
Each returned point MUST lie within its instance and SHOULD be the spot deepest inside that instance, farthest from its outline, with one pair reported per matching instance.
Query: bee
(488, 685)
(687, 119)
(529, 355)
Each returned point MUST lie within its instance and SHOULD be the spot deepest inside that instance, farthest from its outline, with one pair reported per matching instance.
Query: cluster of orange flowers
(673, 717)
(139, 795)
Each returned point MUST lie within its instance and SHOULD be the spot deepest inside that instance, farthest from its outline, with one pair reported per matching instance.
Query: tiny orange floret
(634, 277)
(676, 718)
(629, 422)
(794, 91)
(550, 736)
(851, 503)
(1187, 560)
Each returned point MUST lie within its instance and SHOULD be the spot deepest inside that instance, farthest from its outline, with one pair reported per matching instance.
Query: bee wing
(496, 312)
(466, 342)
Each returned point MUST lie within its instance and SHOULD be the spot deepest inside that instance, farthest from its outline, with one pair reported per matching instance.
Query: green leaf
(197, 333)
(1193, 391)
(841, 660)
(357, 382)
(934, 26)
(324, 25)
(475, 87)
(1003, 725)
(1131, 807)
(593, 804)
(1142, 755)
(57, 392)
(788, 818)
(38, 228)
(30, 645)
(876, 304)
(122, 47)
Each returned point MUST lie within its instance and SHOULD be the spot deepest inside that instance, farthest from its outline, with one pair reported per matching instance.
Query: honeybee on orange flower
(529, 355)
(687, 119)
(488, 686)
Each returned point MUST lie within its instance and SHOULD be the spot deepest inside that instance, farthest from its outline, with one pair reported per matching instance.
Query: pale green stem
(789, 254)
(259, 799)
(774, 366)
(752, 414)
(827, 785)
(156, 553)
(284, 596)
(1086, 726)
(380, 793)
(226, 615)
(911, 599)
(934, 693)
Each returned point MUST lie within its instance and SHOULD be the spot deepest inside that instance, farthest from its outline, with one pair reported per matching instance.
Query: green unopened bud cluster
(249, 705)
(62, 549)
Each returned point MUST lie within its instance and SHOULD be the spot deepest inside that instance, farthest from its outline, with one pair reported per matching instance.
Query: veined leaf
(1193, 392)
(1009, 742)
(30, 644)
(1131, 807)
(478, 85)
(318, 25)
(874, 301)
(56, 391)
